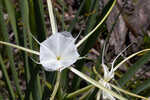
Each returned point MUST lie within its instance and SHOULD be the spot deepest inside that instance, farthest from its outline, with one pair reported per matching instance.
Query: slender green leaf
(11, 12)
(105, 14)
(63, 11)
(133, 69)
(142, 87)
(78, 92)
(26, 31)
(33, 84)
(32, 17)
(75, 20)
(36, 89)
(4, 33)
(37, 26)
(1, 98)
(39, 20)
(3, 67)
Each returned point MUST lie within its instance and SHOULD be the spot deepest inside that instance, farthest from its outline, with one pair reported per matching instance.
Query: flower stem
(20, 47)
(85, 89)
(129, 93)
(56, 86)
(52, 18)
(129, 57)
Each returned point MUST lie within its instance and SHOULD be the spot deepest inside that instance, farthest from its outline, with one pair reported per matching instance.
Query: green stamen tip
(58, 58)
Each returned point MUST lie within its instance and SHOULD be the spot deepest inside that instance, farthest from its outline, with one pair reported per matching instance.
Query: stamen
(58, 58)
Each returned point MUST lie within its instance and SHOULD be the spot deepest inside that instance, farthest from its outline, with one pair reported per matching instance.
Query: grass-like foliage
(36, 65)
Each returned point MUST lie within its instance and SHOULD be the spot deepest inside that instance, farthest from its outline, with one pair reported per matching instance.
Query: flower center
(58, 58)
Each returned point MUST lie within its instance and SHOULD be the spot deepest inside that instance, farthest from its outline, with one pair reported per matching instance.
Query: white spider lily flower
(108, 76)
(58, 51)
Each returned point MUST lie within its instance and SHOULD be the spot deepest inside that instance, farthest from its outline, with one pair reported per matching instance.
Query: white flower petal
(108, 75)
(70, 52)
(105, 95)
(108, 96)
(67, 34)
(51, 65)
(52, 43)
(67, 63)
(106, 71)
(46, 54)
